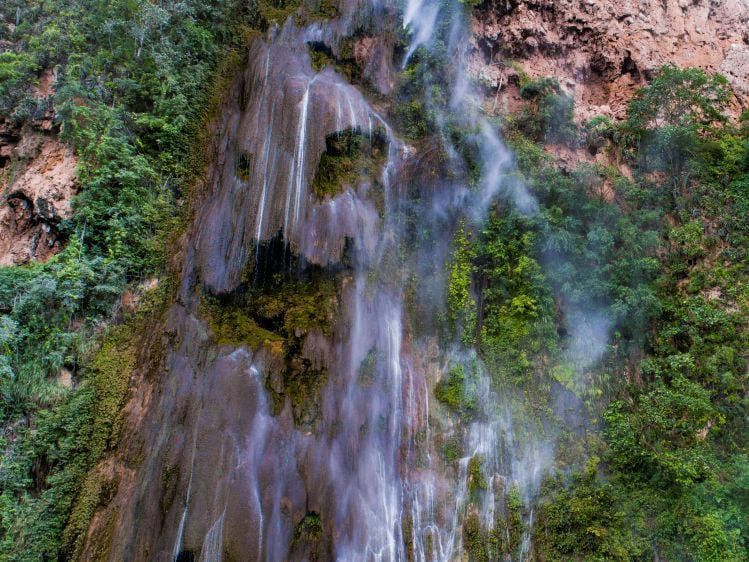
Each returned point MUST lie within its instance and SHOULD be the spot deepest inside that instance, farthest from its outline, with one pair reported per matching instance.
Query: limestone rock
(602, 51)
(37, 182)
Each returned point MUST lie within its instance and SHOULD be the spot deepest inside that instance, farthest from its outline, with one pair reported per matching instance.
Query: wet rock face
(273, 134)
(37, 182)
(253, 437)
(291, 421)
(602, 51)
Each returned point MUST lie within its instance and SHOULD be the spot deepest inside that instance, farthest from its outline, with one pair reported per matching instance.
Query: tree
(670, 118)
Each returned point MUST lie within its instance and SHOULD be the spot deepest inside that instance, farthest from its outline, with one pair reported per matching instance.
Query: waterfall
(299, 164)
(365, 479)
(213, 542)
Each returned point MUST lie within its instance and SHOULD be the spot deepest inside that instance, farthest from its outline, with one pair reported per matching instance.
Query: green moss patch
(458, 392)
(309, 529)
(277, 11)
(477, 483)
(350, 157)
(106, 387)
(307, 540)
(278, 308)
(343, 61)
(293, 309)
(234, 326)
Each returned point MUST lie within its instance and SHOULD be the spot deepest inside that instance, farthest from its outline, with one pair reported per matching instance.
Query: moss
(233, 326)
(295, 307)
(512, 521)
(308, 536)
(349, 158)
(106, 379)
(461, 305)
(407, 528)
(302, 386)
(108, 376)
(244, 167)
(321, 59)
(502, 541)
(476, 481)
(228, 71)
(481, 545)
(277, 11)
(309, 527)
(452, 450)
(278, 311)
(458, 392)
(83, 510)
(343, 61)
(326, 10)
(111, 368)
(105, 538)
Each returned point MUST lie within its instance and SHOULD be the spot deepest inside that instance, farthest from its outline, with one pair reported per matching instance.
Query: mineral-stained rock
(37, 181)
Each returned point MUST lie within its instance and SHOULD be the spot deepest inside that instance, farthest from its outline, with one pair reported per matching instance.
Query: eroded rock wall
(37, 183)
(601, 51)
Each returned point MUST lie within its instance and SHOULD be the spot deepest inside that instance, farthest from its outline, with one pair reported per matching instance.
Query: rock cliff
(37, 182)
(602, 51)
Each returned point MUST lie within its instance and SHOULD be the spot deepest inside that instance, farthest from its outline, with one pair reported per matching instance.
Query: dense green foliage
(677, 436)
(547, 115)
(132, 81)
(663, 252)
(458, 392)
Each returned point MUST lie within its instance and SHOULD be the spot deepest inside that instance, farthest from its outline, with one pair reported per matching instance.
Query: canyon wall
(602, 51)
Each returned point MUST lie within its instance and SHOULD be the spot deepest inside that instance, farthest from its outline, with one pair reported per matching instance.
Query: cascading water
(217, 470)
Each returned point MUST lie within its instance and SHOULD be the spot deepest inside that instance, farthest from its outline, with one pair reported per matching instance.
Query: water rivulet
(288, 411)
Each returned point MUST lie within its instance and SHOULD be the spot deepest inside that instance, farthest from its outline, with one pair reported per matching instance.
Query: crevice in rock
(185, 556)
(629, 66)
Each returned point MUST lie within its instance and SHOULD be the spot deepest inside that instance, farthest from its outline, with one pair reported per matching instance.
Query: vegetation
(419, 94)
(547, 115)
(48, 463)
(459, 392)
(308, 537)
(584, 520)
(232, 326)
(133, 79)
(281, 302)
(350, 157)
(664, 254)
(504, 539)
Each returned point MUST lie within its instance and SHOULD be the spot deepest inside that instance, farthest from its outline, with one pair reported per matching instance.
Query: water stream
(368, 481)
